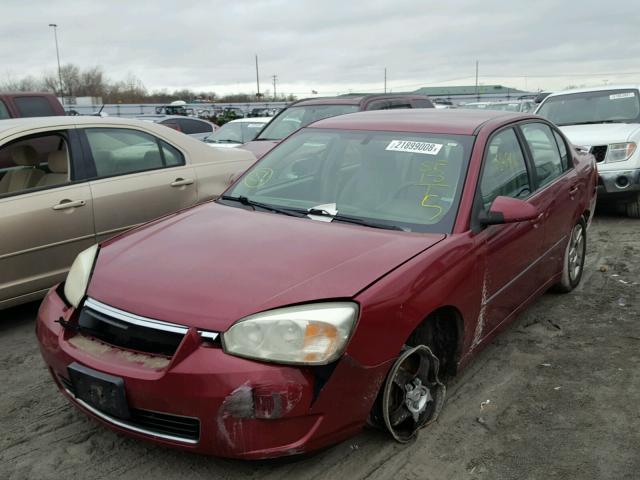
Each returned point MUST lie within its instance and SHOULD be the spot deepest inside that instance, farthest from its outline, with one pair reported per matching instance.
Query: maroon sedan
(345, 277)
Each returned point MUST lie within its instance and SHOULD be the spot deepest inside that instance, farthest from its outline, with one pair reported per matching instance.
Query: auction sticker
(617, 96)
(414, 147)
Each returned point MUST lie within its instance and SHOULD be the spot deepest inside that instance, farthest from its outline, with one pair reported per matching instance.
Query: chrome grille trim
(134, 319)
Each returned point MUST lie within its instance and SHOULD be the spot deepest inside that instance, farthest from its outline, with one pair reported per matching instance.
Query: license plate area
(100, 390)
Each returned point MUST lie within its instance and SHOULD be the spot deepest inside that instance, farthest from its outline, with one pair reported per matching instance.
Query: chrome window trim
(134, 319)
(128, 426)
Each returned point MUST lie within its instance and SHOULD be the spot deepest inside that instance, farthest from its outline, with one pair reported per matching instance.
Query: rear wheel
(633, 207)
(574, 258)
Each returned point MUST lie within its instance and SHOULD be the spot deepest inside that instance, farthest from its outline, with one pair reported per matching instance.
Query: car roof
(598, 88)
(421, 120)
(352, 99)
(64, 121)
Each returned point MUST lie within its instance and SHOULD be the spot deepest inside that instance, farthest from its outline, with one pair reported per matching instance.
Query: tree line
(92, 82)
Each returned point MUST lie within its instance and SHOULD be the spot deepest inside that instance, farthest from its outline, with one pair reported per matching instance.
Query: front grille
(129, 331)
(599, 151)
(165, 425)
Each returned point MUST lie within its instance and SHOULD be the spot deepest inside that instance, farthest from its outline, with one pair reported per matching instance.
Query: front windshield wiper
(355, 220)
(246, 201)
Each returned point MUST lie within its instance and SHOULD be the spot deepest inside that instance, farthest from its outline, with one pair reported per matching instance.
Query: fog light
(622, 181)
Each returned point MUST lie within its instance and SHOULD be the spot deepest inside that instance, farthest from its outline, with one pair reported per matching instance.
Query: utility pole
(55, 35)
(477, 94)
(257, 79)
(275, 79)
(385, 79)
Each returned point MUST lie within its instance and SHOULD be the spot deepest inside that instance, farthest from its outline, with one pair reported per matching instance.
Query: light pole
(55, 35)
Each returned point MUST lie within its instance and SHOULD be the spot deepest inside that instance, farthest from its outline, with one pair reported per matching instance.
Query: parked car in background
(228, 114)
(304, 112)
(606, 121)
(68, 182)
(326, 288)
(263, 112)
(237, 132)
(194, 127)
(22, 104)
(522, 106)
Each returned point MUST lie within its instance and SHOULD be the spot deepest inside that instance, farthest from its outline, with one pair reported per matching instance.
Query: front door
(510, 269)
(45, 218)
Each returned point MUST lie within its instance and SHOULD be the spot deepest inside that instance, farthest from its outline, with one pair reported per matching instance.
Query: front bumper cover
(246, 409)
(614, 182)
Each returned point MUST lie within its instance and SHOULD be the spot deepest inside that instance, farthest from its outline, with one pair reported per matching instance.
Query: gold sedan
(69, 182)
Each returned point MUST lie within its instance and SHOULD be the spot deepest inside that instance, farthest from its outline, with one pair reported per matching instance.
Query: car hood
(214, 264)
(600, 133)
(260, 147)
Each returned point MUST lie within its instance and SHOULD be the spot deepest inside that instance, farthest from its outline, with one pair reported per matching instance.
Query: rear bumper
(245, 409)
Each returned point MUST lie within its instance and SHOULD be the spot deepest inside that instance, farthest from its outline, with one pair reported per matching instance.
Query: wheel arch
(443, 330)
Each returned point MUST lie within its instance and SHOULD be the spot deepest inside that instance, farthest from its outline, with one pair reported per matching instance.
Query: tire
(633, 207)
(573, 263)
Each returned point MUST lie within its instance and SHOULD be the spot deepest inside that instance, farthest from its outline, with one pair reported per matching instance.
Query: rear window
(4, 112)
(33, 107)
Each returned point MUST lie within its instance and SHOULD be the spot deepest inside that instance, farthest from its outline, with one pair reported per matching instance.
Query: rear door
(135, 177)
(46, 216)
(557, 187)
(511, 251)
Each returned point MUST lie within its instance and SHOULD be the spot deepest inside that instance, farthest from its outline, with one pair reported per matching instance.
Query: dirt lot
(556, 396)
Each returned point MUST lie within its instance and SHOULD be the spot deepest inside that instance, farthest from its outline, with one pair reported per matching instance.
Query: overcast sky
(332, 46)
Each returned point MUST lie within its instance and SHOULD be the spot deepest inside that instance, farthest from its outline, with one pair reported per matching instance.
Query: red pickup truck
(24, 104)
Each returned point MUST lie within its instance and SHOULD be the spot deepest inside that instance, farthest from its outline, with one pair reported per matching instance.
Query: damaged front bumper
(204, 400)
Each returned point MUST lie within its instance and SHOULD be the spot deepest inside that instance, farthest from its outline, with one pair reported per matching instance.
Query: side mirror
(508, 210)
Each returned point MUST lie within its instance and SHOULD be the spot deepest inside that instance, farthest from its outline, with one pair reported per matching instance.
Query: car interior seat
(28, 176)
(58, 162)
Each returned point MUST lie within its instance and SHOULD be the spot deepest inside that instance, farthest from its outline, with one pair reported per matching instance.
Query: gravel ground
(554, 397)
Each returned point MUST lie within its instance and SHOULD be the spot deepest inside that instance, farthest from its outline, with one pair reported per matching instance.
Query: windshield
(407, 180)
(294, 118)
(235, 132)
(605, 106)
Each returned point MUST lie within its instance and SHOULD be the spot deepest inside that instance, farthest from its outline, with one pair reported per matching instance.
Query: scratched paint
(477, 335)
(97, 349)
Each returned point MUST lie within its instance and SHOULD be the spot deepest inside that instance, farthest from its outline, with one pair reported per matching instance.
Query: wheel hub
(416, 398)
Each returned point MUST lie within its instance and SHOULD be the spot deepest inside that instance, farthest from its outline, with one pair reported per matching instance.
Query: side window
(544, 150)
(194, 126)
(172, 156)
(564, 156)
(379, 105)
(393, 104)
(504, 172)
(33, 106)
(117, 151)
(422, 104)
(34, 162)
(4, 112)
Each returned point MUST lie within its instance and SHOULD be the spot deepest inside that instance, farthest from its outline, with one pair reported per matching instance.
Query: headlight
(77, 281)
(619, 152)
(307, 334)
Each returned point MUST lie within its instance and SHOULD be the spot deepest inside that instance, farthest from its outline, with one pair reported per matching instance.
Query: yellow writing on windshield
(432, 177)
(258, 177)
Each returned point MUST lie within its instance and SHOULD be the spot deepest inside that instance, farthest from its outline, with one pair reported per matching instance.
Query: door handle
(574, 189)
(180, 182)
(66, 203)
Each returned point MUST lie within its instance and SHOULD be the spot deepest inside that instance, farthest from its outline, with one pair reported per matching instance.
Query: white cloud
(330, 46)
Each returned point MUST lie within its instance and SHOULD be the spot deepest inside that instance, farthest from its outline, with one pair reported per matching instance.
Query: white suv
(606, 121)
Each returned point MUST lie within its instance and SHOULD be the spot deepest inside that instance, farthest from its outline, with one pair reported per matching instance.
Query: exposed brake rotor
(413, 395)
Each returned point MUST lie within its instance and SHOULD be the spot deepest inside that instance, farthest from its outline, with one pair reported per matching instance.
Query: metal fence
(133, 110)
